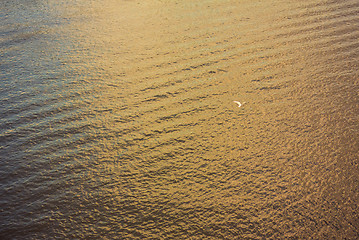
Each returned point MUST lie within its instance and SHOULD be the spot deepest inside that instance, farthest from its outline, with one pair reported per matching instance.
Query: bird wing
(239, 104)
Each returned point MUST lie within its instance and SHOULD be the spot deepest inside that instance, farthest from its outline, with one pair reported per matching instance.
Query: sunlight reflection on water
(118, 121)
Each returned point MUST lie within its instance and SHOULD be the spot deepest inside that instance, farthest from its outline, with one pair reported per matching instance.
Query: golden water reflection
(140, 138)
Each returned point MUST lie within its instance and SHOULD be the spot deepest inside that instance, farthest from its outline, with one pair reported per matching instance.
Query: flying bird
(239, 104)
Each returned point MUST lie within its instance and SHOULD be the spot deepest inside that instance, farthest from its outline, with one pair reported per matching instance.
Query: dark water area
(117, 119)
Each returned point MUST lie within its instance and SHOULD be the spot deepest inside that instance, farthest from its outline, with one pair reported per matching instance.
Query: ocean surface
(117, 119)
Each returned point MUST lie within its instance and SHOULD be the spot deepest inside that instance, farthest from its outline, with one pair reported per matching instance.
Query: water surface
(118, 122)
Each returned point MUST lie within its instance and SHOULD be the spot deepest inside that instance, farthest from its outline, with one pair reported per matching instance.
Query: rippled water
(118, 121)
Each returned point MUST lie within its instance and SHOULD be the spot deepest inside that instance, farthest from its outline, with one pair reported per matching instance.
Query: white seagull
(239, 104)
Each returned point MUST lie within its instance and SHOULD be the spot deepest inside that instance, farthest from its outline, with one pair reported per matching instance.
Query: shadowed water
(117, 119)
